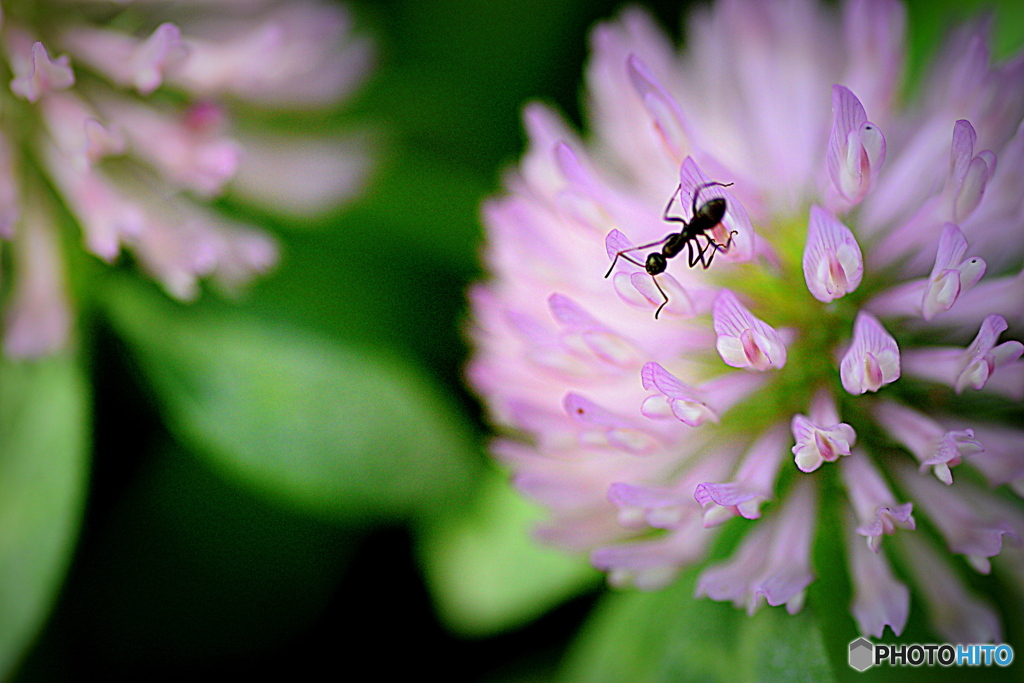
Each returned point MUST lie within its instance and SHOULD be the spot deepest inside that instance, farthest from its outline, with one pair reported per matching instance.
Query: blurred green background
(296, 484)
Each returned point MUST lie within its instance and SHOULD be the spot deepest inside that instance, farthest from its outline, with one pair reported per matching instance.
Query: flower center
(777, 293)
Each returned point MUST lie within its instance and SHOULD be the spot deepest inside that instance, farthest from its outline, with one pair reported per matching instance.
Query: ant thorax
(674, 245)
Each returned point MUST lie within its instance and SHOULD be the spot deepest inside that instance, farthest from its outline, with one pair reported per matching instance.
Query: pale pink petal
(666, 507)
(875, 506)
(106, 217)
(732, 580)
(598, 426)
(674, 398)
(182, 244)
(616, 106)
(752, 484)
(199, 160)
(10, 209)
(969, 527)
(963, 63)
(161, 51)
(756, 74)
(296, 54)
(833, 265)
(983, 357)
(693, 405)
(926, 439)
(128, 61)
(666, 117)
(968, 173)
(873, 359)
(615, 242)
(655, 377)
(584, 335)
(856, 148)
(1009, 381)
(660, 507)
(1000, 209)
(35, 73)
(641, 288)
(879, 599)
(956, 613)
(576, 533)
(745, 341)
(653, 564)
(787, 571)
(567, 487)
(725, 391)
(874, 31)
(820, 437)
(75, 130)
(545, 129)
(736, 221)
(38, 317)
(994, 295)
(1002, 461)
(584, 198)
(965, 183)
(971, 367)
(638, 507)
(952, 274)
(899, 301)
(244, 253)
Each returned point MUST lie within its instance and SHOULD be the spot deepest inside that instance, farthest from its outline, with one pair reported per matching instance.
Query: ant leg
(724, 248)
(701, 250)
(674, 219)
(690, 259)
(658, 312)
(711, 256)
(696, 192)
(626, 251)
(623, 255)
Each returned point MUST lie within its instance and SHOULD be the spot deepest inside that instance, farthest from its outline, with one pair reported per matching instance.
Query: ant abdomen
(710, 213)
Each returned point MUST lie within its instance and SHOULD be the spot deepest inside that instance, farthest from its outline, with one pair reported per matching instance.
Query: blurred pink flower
(137, 131)
(865, 241)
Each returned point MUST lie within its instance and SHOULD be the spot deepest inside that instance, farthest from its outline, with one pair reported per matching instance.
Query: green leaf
(189, 568)
(670, 636)
(43, 458)
(930, 21)
(433, 214)
(485, 571)
(296, 415)
(776, 646)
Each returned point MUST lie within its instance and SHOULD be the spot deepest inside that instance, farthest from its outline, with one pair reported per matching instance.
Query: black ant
(705, 219)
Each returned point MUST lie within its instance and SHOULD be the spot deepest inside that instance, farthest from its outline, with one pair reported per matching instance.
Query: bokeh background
(295, 484)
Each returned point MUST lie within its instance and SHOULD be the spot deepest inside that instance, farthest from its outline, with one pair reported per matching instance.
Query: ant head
(656, 263)
(712, 211)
